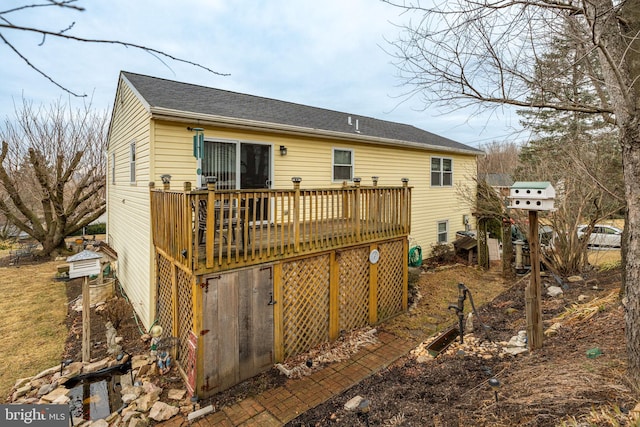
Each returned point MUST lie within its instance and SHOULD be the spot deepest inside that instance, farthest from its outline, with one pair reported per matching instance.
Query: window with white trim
(443, 231)
(441, 172)
(113, 168)
(132, 162)
(342, 164)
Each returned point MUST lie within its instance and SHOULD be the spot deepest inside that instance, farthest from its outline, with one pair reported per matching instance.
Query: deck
(250, 227)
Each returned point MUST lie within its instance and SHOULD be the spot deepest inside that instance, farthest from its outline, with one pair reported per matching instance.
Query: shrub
(442, 253)
(100, 228)
(116, 310)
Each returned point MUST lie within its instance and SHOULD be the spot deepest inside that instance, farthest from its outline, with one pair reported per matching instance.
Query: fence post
(296, 213)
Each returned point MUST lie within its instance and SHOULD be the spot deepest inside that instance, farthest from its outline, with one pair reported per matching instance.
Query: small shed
(85, 263)
(466, 246)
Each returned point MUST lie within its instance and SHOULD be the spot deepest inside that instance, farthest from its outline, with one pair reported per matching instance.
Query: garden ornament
(164, 362)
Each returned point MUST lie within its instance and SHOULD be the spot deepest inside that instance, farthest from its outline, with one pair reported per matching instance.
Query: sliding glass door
(240, 165)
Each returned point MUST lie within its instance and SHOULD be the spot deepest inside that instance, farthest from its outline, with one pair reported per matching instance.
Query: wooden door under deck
(237, 327)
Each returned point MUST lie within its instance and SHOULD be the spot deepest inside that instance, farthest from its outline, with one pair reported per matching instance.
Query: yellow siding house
(252, 229)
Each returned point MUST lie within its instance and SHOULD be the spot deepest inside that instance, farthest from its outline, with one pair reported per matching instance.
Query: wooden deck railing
(209, 230)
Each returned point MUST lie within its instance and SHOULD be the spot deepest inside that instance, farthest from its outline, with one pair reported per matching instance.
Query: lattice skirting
(354, 288)
(315, 305)
(176, 322)
(307, 311)
(164, 308)
(390, 274)
(306, 303)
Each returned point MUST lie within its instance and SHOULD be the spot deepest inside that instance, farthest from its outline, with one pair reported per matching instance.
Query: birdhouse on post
(534, 197)
(85, 264)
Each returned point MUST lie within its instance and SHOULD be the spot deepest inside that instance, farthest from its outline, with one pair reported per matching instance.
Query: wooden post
(483, 250)
(210, 247)
(373, 289)
(533, 292)
(296, 213)
(334, 297)
(356, 210)
(86, 321)
(405, 209)
(507, 248)
(278, 322)
(166, 181)
(405, 273)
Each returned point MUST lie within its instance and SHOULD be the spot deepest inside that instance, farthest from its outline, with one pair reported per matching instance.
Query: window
(342, 164)
(132, 161)
(113, 168)
(441, 172)
(443, 231)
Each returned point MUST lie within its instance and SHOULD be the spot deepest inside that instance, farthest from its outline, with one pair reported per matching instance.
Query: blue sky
(325, 54)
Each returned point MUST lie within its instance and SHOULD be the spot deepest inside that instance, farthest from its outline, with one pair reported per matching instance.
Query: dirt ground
(551, 386)
(117, 310)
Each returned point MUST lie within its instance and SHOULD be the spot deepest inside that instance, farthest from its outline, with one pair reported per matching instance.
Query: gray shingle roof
(205, 100)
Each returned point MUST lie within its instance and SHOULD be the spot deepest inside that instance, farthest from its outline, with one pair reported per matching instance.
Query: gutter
(167, 114)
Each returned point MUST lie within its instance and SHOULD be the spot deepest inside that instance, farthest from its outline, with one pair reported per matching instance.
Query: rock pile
(474, 346)
(139, 393)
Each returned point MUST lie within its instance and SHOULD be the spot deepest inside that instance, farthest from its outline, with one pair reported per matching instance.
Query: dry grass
(577, 312)
(603, 257)
(32, 325)
(437, 291)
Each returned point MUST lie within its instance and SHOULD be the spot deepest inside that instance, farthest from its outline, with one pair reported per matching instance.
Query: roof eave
(161, 113)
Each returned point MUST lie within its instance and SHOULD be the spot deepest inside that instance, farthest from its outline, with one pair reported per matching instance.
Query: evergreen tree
(577, 152)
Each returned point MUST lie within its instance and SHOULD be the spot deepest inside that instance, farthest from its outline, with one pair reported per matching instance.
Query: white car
(602, 235)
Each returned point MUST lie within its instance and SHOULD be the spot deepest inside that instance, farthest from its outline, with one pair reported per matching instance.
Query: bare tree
(499, 158)
(52, 177)
(8, 25)
(481, 53)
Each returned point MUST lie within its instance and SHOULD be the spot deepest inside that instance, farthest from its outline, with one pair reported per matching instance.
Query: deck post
(373, 288)
(405, 205)
(345, 201)
(296, 213)
(154, 212)
(334, 297)
(356, 210)
(211, 218)
(166, 181)
(374, 205)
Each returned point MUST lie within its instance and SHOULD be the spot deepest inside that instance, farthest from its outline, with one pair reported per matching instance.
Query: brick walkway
(276, 407)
